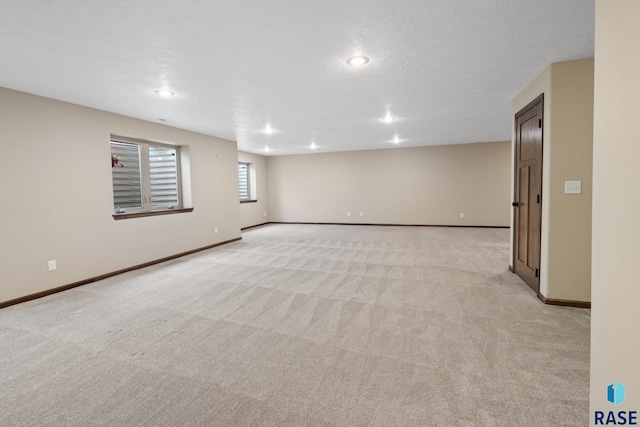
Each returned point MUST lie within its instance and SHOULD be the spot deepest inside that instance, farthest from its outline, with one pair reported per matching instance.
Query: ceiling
(444, 70)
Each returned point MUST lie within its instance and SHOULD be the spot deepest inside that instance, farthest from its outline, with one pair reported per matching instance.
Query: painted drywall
(571, 159)
(422, 185)
(565, 264)
(615, 323)
(57, 195)
(255, 213)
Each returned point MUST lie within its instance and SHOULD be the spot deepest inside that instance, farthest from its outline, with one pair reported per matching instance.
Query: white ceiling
(447, 70)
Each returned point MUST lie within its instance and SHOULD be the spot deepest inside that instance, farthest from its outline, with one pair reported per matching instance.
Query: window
(243, 181)
(247, 182)
(145, 176)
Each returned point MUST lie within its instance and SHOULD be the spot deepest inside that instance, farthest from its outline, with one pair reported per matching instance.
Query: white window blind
(127, 183)
(243, 181)
(163, 177)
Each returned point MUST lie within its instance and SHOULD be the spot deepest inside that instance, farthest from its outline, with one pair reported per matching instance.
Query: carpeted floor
(301, 325)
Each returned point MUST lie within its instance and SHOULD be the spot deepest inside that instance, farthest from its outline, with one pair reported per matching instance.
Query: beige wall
(423, 185)
(615, 324)
(565, 265)
(571, 160)
(255, 213)
(57, 196)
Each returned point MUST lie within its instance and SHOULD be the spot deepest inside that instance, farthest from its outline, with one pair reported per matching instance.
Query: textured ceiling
(446, 70)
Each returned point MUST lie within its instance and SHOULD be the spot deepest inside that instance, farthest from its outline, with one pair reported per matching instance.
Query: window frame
(249, 199)
(147, 209)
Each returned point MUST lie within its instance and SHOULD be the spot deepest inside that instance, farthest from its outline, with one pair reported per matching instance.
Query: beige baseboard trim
(388, 225)
(104, 276)
(564, 302)
(254, 226)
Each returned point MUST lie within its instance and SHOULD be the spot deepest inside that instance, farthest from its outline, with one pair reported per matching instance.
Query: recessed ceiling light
(356, 61)
(313, 145)
(396, 140)
(267, 149)
(165, 93)
(268, 129)
(162, 120)
(388, 118)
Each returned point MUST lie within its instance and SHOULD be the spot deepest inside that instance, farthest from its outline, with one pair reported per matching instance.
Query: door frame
(538, 237)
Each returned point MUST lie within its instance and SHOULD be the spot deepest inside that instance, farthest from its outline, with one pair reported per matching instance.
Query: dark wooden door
(528, 193)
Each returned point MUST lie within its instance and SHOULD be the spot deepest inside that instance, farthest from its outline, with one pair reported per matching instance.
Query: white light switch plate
(572, 187)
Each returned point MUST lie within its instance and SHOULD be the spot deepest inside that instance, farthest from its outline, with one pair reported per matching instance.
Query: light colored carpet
(303, 325)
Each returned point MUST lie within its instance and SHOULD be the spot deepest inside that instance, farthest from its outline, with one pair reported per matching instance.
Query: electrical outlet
(361, 213)
(52, 265)
(461, 215)
(348, 213)
(265, 214)
(215, 230)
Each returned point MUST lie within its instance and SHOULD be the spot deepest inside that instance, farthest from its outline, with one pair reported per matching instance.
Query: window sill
(150, 213)
(248, 201)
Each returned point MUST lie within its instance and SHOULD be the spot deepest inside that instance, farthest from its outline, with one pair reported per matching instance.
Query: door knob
(515, 204)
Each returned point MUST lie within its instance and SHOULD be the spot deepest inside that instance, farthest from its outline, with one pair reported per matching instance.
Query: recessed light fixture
(165, 93)
(396, 140)
(388, 118)
(313, 145)
(266, 149)
(268, 129)
(357, 61)
(162, 120)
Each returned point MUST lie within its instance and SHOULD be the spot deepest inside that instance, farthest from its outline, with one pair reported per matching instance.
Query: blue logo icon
(615, 393)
